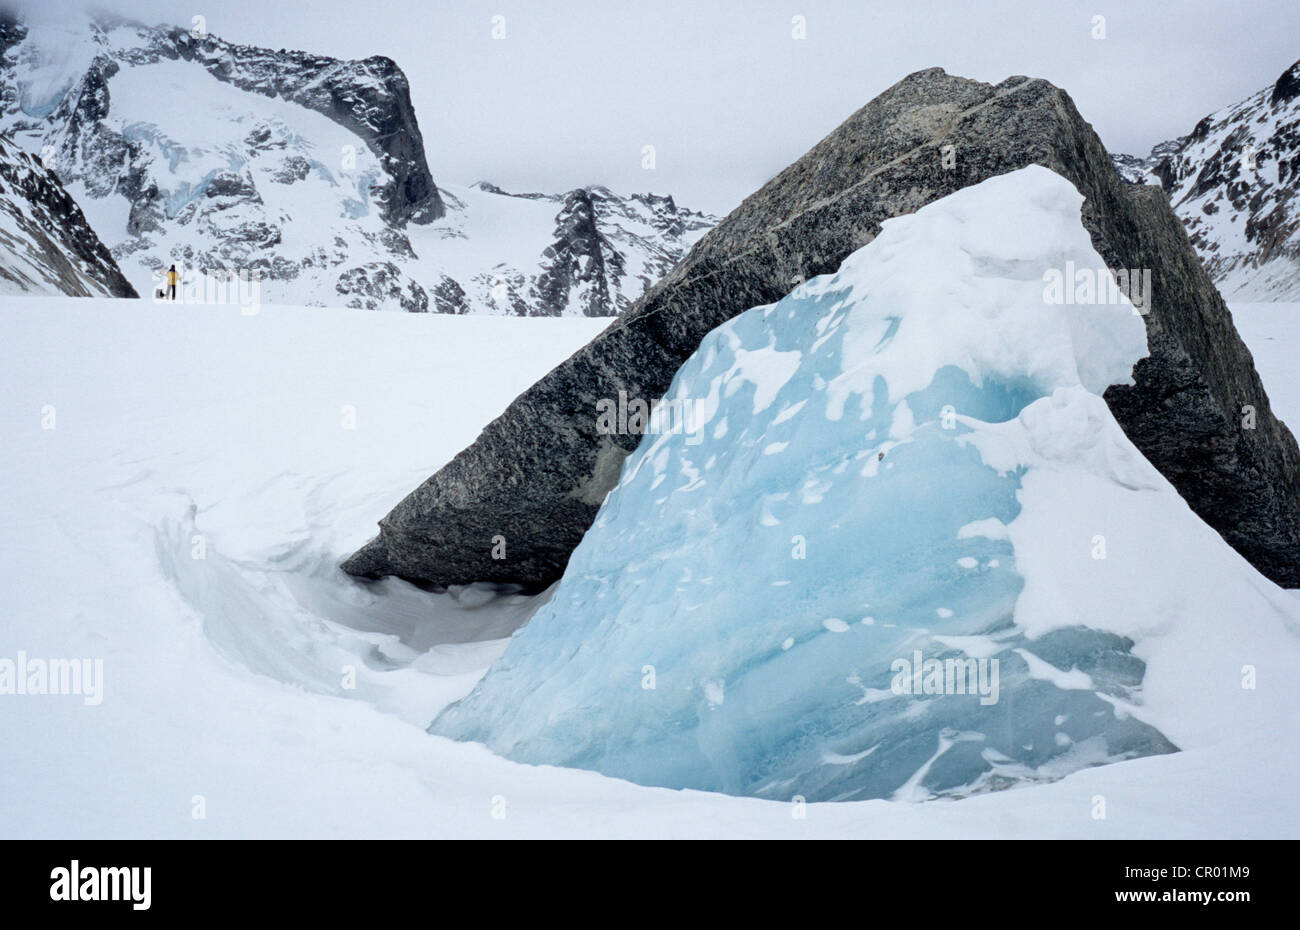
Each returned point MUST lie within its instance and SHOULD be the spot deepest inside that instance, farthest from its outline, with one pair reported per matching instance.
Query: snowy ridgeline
(299, 170)
(904, 551)
(1233, 181)
(189, 538)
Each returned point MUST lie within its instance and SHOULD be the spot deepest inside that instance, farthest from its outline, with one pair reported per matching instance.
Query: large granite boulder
(512, 506)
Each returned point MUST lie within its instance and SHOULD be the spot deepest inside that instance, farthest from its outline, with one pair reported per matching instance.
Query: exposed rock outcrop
(371, 98)
(590, 251)
(46, 245)
(514, 504)
(369, 287)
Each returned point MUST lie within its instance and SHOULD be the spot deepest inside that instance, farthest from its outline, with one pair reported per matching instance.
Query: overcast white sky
(723, 91)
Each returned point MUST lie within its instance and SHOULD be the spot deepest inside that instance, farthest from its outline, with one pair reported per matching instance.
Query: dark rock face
(532, 482)
(370, 286)
(580, 260)
(1287, 87)
(232, 184)
(294, 168)
(449, 297)
(371, 98)
(1197, 409)
(47, 246)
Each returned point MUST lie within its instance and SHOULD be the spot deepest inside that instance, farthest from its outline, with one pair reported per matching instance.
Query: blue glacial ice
(762, 600)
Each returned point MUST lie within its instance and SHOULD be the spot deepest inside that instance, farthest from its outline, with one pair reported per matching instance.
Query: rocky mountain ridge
(46, 246)
(308, 172)
(1233, 181)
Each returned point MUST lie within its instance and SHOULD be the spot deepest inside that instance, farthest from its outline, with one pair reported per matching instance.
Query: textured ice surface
(204, 695)
(733, 619)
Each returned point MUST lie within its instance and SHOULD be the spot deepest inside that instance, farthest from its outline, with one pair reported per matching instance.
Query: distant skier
(172, 279)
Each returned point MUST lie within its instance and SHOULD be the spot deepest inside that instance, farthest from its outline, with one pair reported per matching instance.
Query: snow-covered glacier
(811, 586)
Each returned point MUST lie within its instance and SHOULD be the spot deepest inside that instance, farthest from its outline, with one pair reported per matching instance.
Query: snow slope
(1272, 331)
(171, 423)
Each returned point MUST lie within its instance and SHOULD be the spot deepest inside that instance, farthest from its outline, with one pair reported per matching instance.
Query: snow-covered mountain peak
(186, 149)
(308, 172)
(1234, 182)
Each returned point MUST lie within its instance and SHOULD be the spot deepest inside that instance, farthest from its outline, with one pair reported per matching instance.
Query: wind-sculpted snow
(190, 546)
(764, 590)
